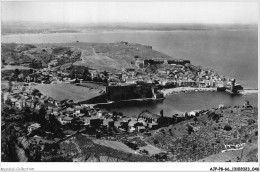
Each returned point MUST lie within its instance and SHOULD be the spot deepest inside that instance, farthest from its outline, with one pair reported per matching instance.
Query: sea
(232, 53)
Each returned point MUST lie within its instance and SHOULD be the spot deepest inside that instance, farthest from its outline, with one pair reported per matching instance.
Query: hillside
(105, 56)
(203, 136)
(83, 149)
(110, 56)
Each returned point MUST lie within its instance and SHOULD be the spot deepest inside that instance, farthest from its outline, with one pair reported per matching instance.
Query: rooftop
(149, 115)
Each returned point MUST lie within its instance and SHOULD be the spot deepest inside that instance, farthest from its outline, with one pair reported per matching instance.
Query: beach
(253, 91)
(185, 89)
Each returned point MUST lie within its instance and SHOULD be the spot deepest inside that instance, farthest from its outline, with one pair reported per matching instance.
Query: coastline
(91, 31)
(130, 100)
(245, 92)
(185, 90)
(177, 90)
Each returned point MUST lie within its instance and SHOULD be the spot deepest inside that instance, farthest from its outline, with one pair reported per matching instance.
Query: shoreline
(251, 91)
(122, 101)
(176, 90)
(179, 90)
(91, 31)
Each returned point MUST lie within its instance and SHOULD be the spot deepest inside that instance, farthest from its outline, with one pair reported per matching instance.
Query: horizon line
(158, 23)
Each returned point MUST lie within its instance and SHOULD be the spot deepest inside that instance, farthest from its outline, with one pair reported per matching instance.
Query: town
(42, 127)
(148, 75)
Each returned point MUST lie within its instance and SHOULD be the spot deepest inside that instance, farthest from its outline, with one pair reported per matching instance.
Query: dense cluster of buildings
(144, 63)
(140, 83)
(19, 97)
(171, 73)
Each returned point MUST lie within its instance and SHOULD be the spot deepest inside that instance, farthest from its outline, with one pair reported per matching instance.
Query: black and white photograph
(158, 85)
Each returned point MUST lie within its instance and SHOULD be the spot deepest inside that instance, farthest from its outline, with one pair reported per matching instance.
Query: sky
(132, 11)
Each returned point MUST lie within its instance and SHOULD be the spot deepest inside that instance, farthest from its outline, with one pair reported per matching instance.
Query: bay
(183, 102)
(233, 53)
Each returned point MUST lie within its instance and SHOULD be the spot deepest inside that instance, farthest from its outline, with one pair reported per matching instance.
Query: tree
(8, 101)
(16, 72)
(100, 79)
(105, 80)
(214, 116)
(227, 127)
(88, 78)
(250, 121)
(35, 92)
(170, 131)
(155, 142)
(53, 122)
(186, 115)
(3, 62)
(30, 71)
(86, 73)
(105, 73)
(77, 80)
(85, 111)
(190, 129)
(36, 64)
(114, 116)
(27, 114)
(35, 154)
(194, 146)
(145, 152)
(41, 116)
(95, 79)
(72, 74)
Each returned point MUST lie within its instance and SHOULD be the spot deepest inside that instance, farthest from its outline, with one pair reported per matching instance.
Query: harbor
(183, 102)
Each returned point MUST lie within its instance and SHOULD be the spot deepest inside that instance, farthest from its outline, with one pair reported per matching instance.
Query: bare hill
(105, 56)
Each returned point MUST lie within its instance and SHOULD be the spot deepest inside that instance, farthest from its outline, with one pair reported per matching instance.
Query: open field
(115, 145)
(151, 149)
(13, 67)
(99, 150)
(67, 91)
(122, 147)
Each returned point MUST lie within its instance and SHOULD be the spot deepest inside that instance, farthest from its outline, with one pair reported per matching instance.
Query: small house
(141, 129)
(109, 122)
(65, 120)
(153, 126)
